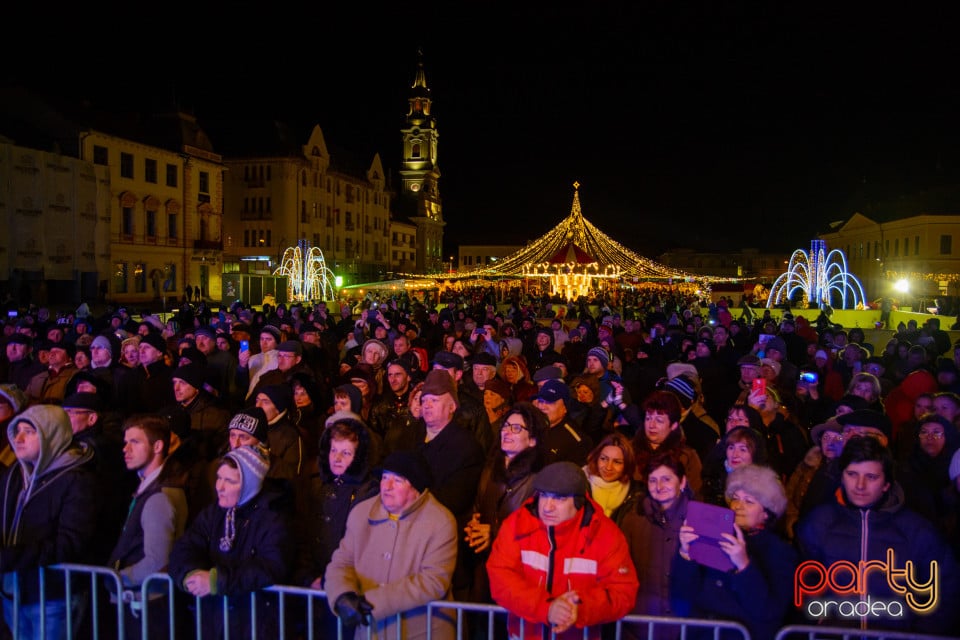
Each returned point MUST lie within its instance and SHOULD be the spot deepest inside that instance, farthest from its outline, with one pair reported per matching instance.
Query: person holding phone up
(758, 592)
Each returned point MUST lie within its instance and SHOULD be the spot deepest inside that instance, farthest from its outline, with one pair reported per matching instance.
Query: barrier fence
(153, 611)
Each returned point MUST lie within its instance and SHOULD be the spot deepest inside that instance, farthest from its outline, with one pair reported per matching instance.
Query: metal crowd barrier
(300, 622)
(813, 632)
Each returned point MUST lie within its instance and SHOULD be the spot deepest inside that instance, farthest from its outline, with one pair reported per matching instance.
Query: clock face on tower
(415, 187)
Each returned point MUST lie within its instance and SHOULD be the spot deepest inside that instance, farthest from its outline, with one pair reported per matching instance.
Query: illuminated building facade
(921, 249)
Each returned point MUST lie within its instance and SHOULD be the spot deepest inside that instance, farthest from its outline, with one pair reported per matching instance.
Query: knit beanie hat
(412, 466)
(683, 389)
(155, 340)
(252, 421)
(760, 482)
(102, 342)
(193, 374)
(600, 354)
(281, 395)
(254, 466)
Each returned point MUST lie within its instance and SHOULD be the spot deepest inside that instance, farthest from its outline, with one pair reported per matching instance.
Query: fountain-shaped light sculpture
(308, 277)
(818, 275)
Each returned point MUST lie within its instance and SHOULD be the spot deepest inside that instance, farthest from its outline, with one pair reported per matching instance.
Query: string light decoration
(308, 277)
(575, 257)
(818, 275)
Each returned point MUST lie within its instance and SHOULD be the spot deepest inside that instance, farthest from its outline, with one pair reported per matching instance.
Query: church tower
(420, 174)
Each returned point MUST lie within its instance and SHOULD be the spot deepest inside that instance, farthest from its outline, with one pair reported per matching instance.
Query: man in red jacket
(558, 561)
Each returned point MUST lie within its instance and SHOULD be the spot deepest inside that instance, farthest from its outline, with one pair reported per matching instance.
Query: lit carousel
(576, 259)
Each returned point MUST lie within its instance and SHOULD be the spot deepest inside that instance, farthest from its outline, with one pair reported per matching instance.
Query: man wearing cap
(563, 441)
(152, 377)
(286, 445)
(470, 413)
(22, 365)
(776, 349)
(702, 432)
(559, 563)
(374, 353)
(398, 554)
(289, 363)
(826, 480)
(867, 522)
(49, 386)
(454, 455)
(208, 416)
(598, 361)
(221, 365)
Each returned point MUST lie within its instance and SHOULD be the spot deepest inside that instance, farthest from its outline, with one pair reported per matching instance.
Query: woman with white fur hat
(757, 593)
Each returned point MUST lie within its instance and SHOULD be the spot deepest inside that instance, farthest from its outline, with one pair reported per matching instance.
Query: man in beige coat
(397, 556)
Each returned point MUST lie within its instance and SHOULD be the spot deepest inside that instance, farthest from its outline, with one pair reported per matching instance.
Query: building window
(204, 185)
(868, 251)
(120, 277)
(171, 175)
(126, 221)
(896, 247)
(269, 205)
(150, 170)
(126, 165)
(946, 245)
(151, 224)
(916, 245)
(269, 241)
(100, 155)
(906, 246)
(246, 237)
(172, 225)
(268, 172)
(139, 278)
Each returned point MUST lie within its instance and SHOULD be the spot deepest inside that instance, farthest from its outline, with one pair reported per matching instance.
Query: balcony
(208, 245)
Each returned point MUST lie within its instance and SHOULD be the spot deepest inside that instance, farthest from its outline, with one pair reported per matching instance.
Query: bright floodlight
(901, 285)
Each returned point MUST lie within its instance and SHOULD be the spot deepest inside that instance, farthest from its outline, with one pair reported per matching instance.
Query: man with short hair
(398, 554)
(867, 521)
(558, 562)
(156, 518)
(562, 441)
(390, 415)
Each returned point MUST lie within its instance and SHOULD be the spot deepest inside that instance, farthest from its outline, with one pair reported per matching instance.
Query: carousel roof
(575, 244)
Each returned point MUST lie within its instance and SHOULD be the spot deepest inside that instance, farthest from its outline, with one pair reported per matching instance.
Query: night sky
(707, 125)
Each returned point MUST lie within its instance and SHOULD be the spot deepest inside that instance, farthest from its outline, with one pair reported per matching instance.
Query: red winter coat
(529, 566)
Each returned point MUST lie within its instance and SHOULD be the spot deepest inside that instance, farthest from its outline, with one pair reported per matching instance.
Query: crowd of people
(538, 456)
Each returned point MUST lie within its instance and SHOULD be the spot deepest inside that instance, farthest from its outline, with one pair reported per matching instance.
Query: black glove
(353, 609)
